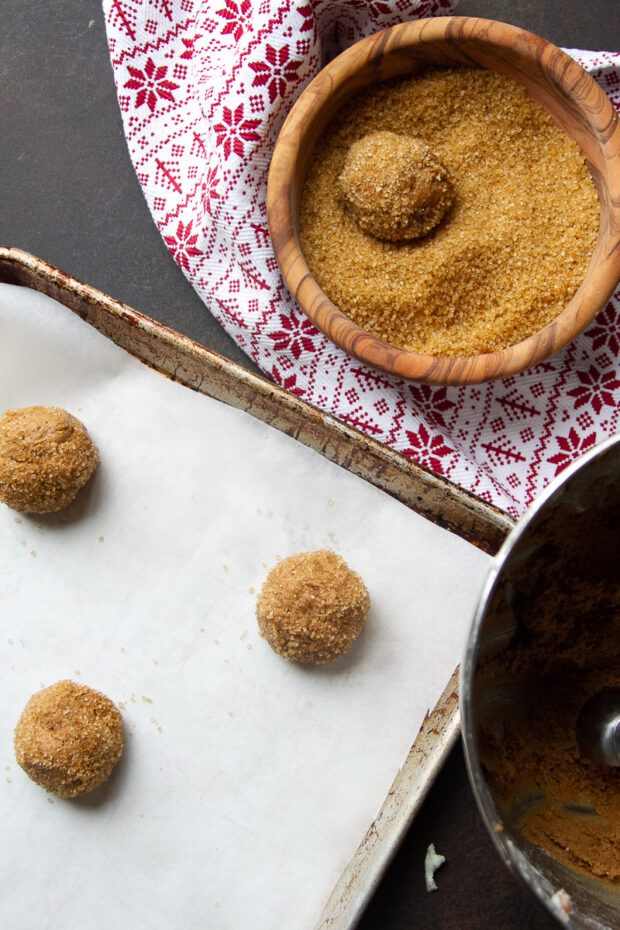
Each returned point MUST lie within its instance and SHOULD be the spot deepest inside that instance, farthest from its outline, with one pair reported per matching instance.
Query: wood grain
(573, 99)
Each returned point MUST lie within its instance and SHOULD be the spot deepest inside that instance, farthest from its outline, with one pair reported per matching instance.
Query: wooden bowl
(556, 81)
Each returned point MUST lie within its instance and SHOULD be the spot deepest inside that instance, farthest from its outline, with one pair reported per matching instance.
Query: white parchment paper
(247, 782)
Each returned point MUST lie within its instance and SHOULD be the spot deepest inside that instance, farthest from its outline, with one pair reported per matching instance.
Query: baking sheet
(247, 783)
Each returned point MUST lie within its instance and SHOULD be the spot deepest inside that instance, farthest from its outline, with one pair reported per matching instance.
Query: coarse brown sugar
(312, 607)
(510, 254)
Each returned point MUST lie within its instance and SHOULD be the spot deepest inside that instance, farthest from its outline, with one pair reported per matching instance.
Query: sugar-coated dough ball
(69, 738)
(46, 456)
(395, 187)
(312, 607)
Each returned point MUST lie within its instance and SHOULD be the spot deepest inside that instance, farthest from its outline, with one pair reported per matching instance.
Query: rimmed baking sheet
(248, 784)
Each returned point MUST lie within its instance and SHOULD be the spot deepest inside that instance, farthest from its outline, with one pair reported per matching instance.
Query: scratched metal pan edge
(203, 370)
(434, 497)
(363, 873)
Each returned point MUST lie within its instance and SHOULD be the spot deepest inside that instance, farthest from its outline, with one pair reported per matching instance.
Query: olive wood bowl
(572, 98)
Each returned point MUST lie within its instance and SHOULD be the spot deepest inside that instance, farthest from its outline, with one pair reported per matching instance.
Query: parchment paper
(247, 782)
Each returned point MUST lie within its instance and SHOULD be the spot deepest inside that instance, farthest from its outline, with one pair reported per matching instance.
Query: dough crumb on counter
(432, 862)
(69, 738)
(46, 457)
(312, 607)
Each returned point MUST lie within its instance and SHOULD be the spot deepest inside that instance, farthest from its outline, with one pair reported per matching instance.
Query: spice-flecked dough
(46, 457)
(312, 607)
(395, 187)
(69, 738)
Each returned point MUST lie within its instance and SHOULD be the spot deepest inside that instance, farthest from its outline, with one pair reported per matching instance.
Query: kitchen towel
(204, 87)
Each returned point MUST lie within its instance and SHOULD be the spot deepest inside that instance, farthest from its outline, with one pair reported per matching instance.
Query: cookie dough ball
(69, 738)
(312, 607)
(46, 456)
(394, 187)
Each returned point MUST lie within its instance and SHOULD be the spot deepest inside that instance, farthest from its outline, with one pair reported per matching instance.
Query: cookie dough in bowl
(46, 457)
(69, 738)
(395, 187)
(312, 607)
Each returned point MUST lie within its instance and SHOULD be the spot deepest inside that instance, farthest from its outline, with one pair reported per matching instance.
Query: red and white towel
(204, 87)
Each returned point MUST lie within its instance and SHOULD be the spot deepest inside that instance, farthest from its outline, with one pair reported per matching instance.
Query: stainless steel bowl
(577, 515)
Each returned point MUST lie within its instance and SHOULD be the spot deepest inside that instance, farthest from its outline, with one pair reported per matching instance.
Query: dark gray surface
(69, 195)
(593, 25)
(68, 191)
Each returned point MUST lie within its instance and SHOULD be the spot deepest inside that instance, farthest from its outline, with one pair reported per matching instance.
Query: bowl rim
(561, 72)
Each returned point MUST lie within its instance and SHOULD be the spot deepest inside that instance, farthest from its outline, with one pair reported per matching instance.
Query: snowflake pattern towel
(203, 87)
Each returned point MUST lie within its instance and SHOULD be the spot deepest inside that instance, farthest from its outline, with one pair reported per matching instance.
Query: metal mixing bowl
(578, 517)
